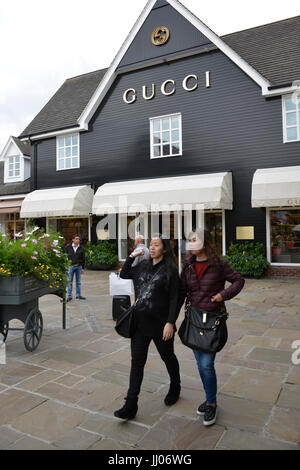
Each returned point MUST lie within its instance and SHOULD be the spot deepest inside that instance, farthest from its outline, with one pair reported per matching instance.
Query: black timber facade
(228, 126)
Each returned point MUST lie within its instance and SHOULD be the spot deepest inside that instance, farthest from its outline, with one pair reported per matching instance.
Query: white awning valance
(70, 201)
(273, 187)
(213, 191)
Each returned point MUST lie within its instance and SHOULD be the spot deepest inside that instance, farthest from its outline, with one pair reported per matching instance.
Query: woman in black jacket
(156, 283)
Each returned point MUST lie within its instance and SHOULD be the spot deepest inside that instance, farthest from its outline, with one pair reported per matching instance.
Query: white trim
(284, 112)
(13, 196)
(223, 233)
(72, 130)
(71, 157)
(281, 91)
(110, 75)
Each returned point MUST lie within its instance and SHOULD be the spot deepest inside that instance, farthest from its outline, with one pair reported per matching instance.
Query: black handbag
(126, 324)
(203, 331)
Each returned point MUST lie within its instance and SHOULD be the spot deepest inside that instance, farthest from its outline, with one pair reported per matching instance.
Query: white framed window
(14, 166)
(166, 136)
(67, 152)
(291, 118)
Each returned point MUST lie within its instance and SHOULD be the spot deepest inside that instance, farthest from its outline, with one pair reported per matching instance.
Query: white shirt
(75, 248)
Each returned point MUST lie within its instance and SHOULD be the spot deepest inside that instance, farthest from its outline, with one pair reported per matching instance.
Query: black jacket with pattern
(157, 302)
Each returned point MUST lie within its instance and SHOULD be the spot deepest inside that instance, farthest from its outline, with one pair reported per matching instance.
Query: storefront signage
(160, 36)
(293, 202)
(245, 233)
(167, 88)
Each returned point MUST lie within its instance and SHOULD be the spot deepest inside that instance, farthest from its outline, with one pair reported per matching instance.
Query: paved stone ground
(63, 395)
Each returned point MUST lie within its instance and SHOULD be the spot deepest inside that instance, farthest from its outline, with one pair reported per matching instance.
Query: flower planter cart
(19, 299)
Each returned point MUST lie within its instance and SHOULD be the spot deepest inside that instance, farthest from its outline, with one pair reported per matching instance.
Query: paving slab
(76, 439)
(14, 403)
(271, 355)
(242, 440)
(289, 397)
(127, 432)
(284, 425)
(48, 421)
(29, 443)
(294, 375)
(243, 414)
(177, 433)
(7, 437)
(254, 385)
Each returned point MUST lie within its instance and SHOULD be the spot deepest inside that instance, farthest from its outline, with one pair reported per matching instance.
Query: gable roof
(272, 49)
(268, 54)
(66, 106)
(24, 147)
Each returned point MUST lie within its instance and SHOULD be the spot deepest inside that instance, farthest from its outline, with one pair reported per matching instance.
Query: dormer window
(14, 166)
(16, 158)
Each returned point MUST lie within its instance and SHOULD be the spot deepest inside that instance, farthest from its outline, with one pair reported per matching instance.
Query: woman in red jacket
(206, 290)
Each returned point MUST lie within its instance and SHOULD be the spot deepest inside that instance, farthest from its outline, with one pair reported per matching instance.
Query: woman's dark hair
(168, 255)
(209, 247)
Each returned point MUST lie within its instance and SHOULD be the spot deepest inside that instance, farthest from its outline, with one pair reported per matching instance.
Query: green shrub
(248, 259)
(103, 253)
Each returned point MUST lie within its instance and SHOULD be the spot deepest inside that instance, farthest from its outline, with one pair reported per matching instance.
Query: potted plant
(32, 260)
(290, 241)
(276, 245)
(102, 256)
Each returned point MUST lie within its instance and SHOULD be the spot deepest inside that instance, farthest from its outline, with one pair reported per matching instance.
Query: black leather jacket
(157, 300)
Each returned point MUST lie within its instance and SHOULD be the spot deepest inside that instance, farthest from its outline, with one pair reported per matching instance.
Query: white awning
(213, 191)
(273, 187)
(70, 201)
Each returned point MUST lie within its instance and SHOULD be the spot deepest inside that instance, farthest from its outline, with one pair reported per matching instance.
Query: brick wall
(283, 271)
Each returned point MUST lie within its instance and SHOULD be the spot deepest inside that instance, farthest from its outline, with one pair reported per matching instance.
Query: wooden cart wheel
(33, 330)
(4, 331)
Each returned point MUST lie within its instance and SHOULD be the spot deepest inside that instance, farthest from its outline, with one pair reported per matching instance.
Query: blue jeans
(77, 270)
(206, 367)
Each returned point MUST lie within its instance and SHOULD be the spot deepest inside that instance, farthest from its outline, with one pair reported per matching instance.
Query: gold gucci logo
(160, 36)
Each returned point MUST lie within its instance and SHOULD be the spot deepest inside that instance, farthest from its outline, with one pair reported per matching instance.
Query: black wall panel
(227, 127)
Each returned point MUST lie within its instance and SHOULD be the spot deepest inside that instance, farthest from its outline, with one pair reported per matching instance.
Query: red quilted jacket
(211, 283)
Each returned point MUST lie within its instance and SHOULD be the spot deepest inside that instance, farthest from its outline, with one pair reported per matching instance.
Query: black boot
(129, 410)
(173, 394)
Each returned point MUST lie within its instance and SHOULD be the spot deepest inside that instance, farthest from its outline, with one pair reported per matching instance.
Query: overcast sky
(43, 43)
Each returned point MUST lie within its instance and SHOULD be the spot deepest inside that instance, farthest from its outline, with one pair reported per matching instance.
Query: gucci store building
(184, 126)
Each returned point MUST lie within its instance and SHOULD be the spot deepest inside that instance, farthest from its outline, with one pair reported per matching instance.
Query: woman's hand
(138, 253)
(217, 298)
(168, 331)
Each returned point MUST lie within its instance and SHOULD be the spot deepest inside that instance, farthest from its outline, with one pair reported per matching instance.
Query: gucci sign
(160, 36)
(167, 88)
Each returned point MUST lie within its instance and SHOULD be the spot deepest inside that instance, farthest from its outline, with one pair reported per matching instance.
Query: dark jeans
(77, 271)
(139, 352)
(206, 367)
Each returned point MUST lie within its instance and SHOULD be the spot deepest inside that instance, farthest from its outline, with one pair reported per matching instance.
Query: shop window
(14, 225)
(67, 148)
(166, 136)
(285, 236)
(291, 118)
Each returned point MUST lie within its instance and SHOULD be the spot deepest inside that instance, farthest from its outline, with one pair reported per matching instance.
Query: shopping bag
(118, 286)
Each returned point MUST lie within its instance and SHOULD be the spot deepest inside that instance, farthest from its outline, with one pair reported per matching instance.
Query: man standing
(76, 255)
(139, 245)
